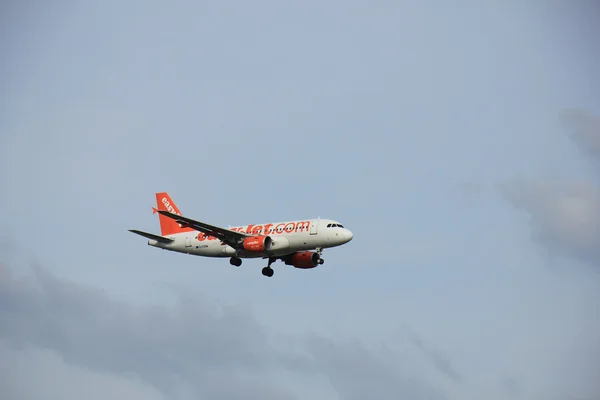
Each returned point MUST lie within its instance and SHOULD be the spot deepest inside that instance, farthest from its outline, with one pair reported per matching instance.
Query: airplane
(297, 243)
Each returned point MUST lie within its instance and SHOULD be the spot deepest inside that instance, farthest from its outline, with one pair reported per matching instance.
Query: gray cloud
(511, 386)
(358, 373)
(439, 360)
(565, 217)
(584, 130)
(83, 339)
(29, 373)
(193, 347)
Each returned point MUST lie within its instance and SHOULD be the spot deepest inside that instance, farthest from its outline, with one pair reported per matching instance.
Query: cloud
(359, 373)
(584, 130)
(565, 217)
(511, 386)
(194, 347)
(33, 373)
(439, 360)
(72, 341)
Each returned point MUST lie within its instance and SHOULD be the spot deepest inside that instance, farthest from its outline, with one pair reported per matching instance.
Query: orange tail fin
(168, 226)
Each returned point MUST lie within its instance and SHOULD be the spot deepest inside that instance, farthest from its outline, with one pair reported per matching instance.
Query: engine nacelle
(280, 243)
(257, 244)
(304, 260)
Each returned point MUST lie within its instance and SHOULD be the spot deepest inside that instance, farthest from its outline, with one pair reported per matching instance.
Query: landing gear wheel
(268, 271)
(235, 261)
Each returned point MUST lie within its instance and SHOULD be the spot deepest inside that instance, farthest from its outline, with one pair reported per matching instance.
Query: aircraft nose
(349, 235)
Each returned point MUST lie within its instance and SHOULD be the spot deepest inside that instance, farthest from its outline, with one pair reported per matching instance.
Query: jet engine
(257, 244)
(304, 260)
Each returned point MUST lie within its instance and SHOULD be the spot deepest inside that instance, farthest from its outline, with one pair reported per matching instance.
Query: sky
(460, 143)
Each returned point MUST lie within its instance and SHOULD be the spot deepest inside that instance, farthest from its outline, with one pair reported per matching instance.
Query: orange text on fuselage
(268, 229)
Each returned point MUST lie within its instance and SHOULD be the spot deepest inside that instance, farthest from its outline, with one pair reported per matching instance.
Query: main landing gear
(319, 251)
(268, 271)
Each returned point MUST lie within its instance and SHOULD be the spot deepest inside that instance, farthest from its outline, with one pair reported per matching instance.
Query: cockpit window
(340, 225)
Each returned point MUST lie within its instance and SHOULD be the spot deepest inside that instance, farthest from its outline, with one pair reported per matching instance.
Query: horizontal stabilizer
(158, 238)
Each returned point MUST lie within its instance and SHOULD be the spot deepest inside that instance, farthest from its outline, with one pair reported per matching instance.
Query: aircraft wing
(226, 235)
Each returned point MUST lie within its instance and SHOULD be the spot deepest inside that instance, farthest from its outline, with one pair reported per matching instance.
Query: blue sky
(436, 133)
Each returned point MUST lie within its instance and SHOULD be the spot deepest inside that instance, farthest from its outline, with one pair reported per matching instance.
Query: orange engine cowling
(258, 243)
(304, 260)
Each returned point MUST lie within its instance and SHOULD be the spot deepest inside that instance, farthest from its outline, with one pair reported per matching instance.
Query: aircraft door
(314, 224)
(188, 241)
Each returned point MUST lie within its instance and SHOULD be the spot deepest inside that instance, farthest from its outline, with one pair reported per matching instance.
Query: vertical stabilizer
(168, 226)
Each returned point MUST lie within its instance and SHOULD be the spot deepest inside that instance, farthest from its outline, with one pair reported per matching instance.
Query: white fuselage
(288, 237)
